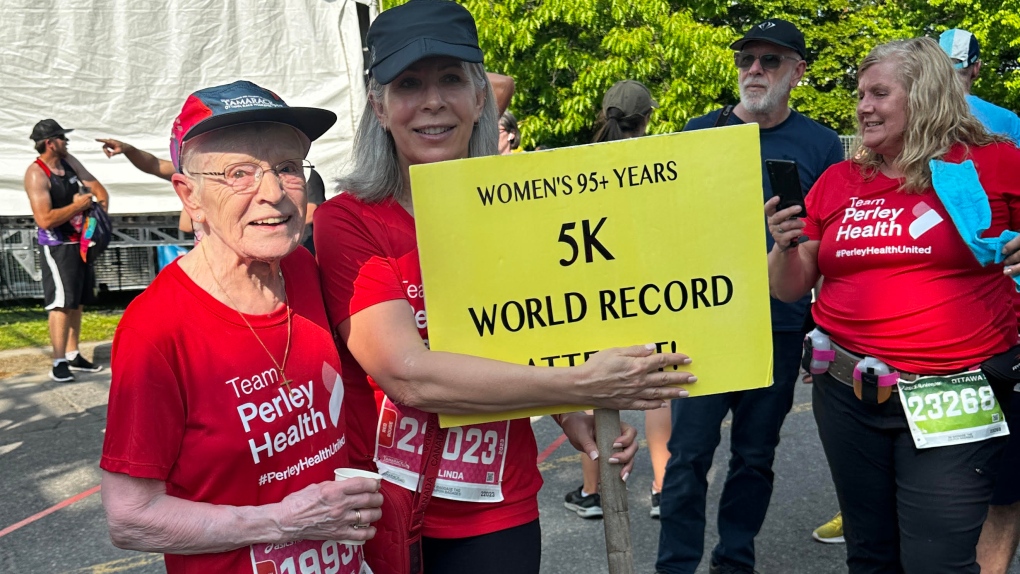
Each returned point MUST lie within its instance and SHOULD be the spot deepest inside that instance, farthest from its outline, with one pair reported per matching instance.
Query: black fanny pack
(1003, 373)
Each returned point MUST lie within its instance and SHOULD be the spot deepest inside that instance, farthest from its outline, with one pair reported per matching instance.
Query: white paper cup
(342, 474)
(345, 473)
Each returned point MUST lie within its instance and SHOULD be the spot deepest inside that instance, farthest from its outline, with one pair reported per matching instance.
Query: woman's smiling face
(882, 109)
(430, 109)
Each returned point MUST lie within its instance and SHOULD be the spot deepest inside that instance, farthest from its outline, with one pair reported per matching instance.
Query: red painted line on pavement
(542, 455)
(49, 510)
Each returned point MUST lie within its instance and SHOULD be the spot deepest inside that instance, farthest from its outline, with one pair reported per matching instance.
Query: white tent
(122, 69)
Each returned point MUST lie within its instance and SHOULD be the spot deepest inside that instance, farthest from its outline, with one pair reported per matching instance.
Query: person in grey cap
(770, 59)
(963, 48)
(626, 108)
(60, 190)
(430, 101)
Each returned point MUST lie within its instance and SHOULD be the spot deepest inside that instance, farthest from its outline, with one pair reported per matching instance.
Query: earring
(199, 218)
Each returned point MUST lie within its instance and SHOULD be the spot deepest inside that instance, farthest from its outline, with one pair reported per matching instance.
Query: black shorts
(1007, 485)
(68, 282)
(516, 550)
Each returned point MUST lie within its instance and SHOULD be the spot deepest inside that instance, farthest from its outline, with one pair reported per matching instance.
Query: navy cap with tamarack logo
(626, 108)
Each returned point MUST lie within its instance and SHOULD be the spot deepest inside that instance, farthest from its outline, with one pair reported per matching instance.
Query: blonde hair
(375, 173)
(937, 114)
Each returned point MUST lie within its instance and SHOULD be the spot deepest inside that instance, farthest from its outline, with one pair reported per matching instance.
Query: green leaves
(564, 54)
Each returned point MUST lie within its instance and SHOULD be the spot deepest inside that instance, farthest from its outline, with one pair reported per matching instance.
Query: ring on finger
(357, 519)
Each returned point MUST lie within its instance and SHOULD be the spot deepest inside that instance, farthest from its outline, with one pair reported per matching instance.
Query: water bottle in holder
(874, 380)
(822, 353)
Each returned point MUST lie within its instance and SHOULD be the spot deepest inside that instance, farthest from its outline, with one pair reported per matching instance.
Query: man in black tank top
(59, 190)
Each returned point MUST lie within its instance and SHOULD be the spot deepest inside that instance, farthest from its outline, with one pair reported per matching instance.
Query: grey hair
(375, 173)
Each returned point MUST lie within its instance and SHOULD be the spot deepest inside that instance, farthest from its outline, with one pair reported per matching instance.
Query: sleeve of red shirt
(145, 417)
(355, 270)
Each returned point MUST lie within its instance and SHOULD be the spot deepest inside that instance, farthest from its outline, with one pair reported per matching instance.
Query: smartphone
(785, 182)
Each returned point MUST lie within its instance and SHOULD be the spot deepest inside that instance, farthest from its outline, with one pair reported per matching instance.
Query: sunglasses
(744, 60)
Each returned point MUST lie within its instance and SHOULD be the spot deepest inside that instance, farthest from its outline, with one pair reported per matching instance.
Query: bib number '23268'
(951, 409)
(471, 469)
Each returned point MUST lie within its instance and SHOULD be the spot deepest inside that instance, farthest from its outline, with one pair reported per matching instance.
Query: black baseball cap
(774, 31)
(407, 33)
(47, 129)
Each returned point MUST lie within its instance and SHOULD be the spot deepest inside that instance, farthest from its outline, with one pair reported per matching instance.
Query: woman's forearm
(386, 343)
(142, 516)
(793, 272)
(168, 524)
(435, 381)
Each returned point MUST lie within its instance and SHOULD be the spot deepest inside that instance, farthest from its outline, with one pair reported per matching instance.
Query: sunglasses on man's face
(745, 60)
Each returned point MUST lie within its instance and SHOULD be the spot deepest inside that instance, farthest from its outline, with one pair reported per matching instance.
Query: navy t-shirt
(814, 147)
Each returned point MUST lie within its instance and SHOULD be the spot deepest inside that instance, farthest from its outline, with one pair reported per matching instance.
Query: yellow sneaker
(831, 532)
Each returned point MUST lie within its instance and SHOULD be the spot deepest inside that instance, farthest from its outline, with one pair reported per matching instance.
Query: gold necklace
(286, 352)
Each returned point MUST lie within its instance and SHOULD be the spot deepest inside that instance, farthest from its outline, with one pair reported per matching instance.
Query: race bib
(951, 409)
(473, 456)
(308, 557)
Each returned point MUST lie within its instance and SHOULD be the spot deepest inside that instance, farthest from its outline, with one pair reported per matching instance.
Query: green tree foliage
(564, 54)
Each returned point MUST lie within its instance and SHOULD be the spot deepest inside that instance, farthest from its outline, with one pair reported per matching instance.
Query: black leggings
(516, 550)
(905, 510)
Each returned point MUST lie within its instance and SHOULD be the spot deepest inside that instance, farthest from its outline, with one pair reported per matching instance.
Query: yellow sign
(545, 258)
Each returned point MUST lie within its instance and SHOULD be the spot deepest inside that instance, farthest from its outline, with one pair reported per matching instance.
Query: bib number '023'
(473, 457)
(951, 409)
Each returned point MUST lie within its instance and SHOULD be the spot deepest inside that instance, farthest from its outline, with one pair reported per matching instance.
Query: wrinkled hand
(82, 201)
(784, 226)
(113, 147)
(628, 378)
(1012, 251)
(580, 430)
(326, 510)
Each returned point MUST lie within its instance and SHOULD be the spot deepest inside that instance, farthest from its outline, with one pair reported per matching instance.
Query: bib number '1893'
(473, 456)
(951, 409)
(308, 557)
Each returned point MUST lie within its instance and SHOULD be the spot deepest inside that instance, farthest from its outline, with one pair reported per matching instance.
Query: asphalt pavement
(51, 517)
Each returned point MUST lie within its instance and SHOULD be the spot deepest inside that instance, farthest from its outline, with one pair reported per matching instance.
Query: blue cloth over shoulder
(960, 191)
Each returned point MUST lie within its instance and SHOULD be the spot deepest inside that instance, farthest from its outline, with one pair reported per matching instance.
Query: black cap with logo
(774, 31)
(47, 129)
(407, 33)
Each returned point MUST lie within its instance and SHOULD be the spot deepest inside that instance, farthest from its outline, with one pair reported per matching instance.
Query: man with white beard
(770, 59)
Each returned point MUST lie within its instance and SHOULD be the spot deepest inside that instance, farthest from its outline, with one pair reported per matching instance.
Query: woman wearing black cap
(429, 101)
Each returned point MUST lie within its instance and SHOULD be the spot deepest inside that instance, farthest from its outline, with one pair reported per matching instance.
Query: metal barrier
(849, 145)
(129, 263)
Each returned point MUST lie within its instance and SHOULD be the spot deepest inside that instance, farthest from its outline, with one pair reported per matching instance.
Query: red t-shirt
(368, 254)
(197, 402)
(899, 283)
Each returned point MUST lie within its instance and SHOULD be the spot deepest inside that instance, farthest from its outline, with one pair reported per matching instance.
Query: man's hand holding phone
(785, 181)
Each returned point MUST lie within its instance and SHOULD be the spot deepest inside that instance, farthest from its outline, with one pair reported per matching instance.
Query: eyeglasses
(246, 177)
(745, 60)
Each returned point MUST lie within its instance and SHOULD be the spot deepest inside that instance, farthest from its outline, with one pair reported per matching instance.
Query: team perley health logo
(926, 219)
(870, 218)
